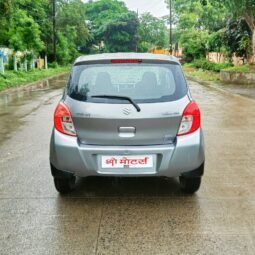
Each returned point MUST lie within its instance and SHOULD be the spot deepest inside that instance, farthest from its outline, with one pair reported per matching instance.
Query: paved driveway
(129, 216)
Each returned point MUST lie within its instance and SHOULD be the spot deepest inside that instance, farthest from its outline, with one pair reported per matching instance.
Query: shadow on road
(103, 187)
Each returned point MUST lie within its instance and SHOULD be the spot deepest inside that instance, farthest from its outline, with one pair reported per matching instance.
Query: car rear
(127, 115)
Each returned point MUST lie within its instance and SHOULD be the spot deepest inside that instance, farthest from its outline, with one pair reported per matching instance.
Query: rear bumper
(173, 160)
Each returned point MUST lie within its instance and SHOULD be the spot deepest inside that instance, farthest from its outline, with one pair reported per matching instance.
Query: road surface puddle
(18, 103)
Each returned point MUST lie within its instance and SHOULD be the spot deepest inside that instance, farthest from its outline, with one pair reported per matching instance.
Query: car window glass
(142, 82)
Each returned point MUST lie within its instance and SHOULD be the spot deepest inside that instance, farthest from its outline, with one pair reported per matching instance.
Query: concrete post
(15, 63)
(2, 64)
(25, 63)
(46, 62)
(34, 60)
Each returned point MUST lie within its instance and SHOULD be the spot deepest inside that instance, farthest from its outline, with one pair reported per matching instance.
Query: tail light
(63, 120)
(191, 119)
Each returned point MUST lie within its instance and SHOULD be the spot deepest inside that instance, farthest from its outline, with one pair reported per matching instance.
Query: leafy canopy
(24, 33)
(110, 21)
(152, 32)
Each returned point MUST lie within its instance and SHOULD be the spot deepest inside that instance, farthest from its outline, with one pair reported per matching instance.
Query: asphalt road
(130, 216)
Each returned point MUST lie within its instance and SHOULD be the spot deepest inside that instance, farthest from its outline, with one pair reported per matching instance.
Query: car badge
(126, 111)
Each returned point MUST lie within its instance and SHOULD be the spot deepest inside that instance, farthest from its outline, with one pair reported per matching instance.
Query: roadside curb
(208, 84)
(26, 86)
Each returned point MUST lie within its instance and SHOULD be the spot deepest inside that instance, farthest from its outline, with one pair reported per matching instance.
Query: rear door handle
(127, 132)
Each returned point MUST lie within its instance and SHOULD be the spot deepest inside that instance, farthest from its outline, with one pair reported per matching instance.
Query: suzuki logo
(126, 111)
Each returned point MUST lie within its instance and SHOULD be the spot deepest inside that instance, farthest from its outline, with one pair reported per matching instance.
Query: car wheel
(190, 185)
(64, 185)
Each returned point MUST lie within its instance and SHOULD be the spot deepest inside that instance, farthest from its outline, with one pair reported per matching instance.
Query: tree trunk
(250, 20)
(253, 45)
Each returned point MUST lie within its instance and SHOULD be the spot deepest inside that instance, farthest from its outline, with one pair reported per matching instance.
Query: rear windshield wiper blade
(120, 97)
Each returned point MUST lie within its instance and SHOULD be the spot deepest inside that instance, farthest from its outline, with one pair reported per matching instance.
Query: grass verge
(241, 69)
(14, 79)
(201, 74)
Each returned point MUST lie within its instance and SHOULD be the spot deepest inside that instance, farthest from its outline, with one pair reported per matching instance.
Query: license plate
(143, 161)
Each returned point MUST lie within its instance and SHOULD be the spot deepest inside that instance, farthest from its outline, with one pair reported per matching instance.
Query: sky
(156, 7)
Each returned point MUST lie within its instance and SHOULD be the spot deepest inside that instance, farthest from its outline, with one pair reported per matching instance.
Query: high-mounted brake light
(63, 120)
(191, 119)
(117, 61)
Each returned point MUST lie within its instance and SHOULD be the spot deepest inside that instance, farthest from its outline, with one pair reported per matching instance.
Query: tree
(5, 10)
(40, 12)
(216, 42)
(237, 38)
(194, 43)
(99, 12)
(64, 49)
(152, 32)
(72, 14)
(27, 25)
(111, 22)
(196, 22)
(200, 14)
(24, 33)
(244, 9)
(120, 34)
(72, 30)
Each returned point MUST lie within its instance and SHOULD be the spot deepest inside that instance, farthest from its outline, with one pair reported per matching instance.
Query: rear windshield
(144, 83)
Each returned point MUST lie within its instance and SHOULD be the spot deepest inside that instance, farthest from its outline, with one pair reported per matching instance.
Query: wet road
(130, 216)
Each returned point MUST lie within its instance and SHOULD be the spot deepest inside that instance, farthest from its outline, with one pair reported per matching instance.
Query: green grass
(14, 79)
(241, 69)
(200, 74)
(206, 75)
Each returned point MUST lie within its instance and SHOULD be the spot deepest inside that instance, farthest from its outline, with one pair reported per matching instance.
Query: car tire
(64, 185)
(190, 185)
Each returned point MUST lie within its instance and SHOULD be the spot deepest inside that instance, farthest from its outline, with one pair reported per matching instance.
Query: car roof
(142, 56)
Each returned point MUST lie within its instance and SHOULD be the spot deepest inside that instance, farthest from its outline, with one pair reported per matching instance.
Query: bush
(10, 65)
(194, 43)
(220, 66)
(53, 65)
(207, 65)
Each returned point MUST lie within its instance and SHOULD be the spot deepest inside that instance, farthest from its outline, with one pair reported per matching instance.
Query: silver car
(127, 115)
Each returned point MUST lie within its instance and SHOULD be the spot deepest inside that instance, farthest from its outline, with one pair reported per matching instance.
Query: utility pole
(171, 29)
(54, 30)
(137, 40)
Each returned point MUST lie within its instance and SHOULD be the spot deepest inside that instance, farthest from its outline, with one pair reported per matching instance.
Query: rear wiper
(120, 97)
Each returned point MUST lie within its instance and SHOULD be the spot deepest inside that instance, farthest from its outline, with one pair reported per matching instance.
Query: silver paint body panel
(118, 129)
(171, 160)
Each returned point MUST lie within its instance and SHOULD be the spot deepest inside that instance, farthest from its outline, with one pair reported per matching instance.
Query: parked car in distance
(127, 115)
